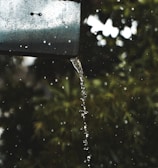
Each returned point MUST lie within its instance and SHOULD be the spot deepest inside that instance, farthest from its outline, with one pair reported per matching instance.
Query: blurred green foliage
(39, 105)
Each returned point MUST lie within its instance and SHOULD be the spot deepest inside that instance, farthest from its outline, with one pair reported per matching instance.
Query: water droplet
(44, 41)
(97, 10)
(69, 41)
(125, 88)
(85, 127)
(49, 44)
(132, 9)
(121, 8)
(87, 135)
(137, 133)
(110, 162)
(105, 83)
(126, 121)
(86, 148)
(155, 29)
(68, 144)
(88, 157)
(116, 126)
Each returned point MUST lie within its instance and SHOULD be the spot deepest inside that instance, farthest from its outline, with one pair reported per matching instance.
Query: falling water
(83, 111)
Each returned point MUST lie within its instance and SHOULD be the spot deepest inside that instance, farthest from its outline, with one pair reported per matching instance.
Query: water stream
(83, 111)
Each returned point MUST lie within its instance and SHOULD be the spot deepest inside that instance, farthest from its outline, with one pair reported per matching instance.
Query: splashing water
(83, 111)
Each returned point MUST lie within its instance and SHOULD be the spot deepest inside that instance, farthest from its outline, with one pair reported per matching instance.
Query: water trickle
(83, 111)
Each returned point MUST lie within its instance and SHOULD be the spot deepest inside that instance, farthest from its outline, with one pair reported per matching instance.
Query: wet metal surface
(42, 27)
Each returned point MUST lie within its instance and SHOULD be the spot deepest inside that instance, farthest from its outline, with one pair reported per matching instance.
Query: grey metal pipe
(39, 28)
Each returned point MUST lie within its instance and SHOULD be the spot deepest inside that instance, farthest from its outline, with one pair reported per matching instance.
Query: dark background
(39, 104)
